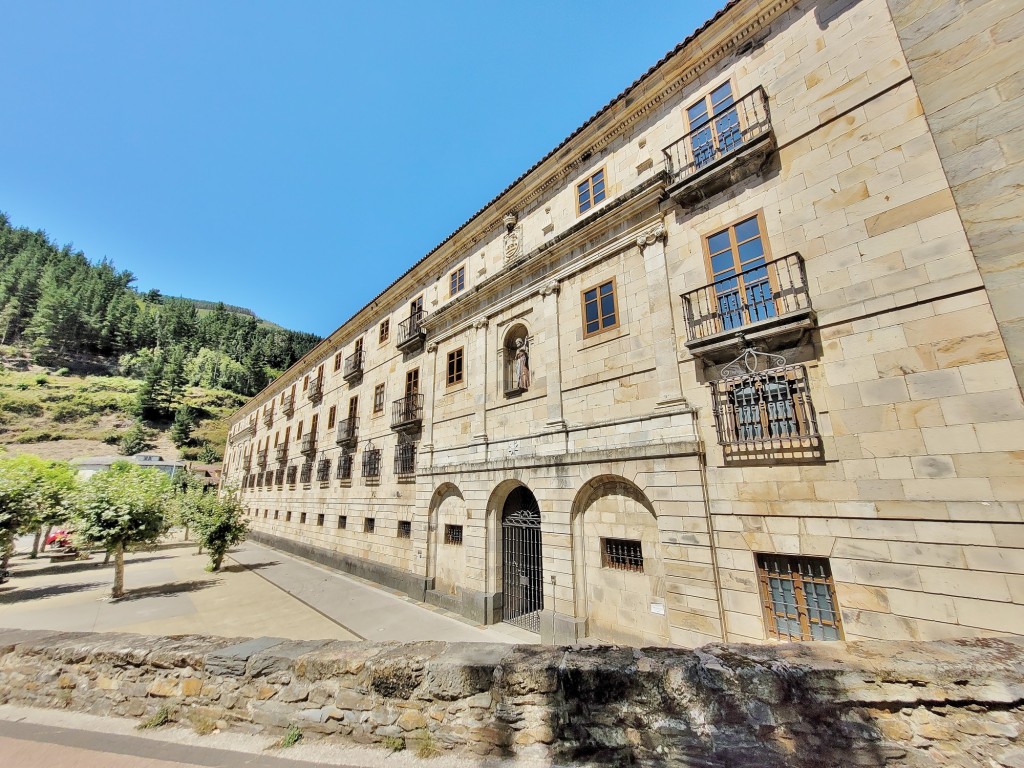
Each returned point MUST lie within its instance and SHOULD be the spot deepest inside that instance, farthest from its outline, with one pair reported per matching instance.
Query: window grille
(345, 467)
(369, 525)
(799, 598)
(292, 474)
(323, 470)
(622, 555)
(405, 459)
(404, 529)
(342, 522)
(320, 520)
(453, 535)
(279, 476)
(306, 475)
(765, 409)
(371, 462)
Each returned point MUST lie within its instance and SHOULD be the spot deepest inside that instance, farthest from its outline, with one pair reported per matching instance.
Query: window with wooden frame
(455, 366)
(332, 416)
(600, 308)
(737, 261)
(378, 398)
(359, 346)
(412, 382)
(714, 126)
(453, 535)
(799, 598)
(305, 382)
(384, 332)
(298, 432)
(287, 434)
(337, 361)
(457, 281)
(313, 424)
(590, 192)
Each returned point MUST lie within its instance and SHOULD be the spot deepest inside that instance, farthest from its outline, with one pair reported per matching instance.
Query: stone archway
(446, 565)
(522, 566)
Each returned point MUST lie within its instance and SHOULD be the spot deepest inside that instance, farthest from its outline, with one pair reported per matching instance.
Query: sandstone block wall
(913, 704)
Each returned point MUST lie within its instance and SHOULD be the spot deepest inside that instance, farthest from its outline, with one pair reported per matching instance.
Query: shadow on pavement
(239, 567)
(14, 594)
(167, 590)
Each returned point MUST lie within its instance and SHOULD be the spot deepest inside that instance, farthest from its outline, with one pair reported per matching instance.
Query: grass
(425, 746)
(161, 717)
(202, 724)
(291, 738)
(393, 743)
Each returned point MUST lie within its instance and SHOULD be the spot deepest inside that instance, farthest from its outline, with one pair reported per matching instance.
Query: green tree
(188, 502)
(184, 423)
(221, 526)
(208, 454)
(135, 440)
(35, 494)
(123, 508)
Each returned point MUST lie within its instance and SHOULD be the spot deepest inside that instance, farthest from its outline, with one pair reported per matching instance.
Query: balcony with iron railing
(348, 431)
(768, 304)
(281, 453)
(405, 460)
(250, 428)
(407, 413)
(353, 366)
(306, 473)
(261, 458)
(734, 143)
(315, 391)
(323, 470)
(279, 476)
(288, 405)
(293, 472)
(411, 332)
(308, 443)
(268, 418)
(345, 467)
(371, 463)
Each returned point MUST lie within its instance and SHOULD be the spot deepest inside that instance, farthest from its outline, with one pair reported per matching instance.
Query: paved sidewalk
(365, 610)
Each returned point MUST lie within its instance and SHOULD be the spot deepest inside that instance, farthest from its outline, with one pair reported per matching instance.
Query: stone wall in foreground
(950, 703)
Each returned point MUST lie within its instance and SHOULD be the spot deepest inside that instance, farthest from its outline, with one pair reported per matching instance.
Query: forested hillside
(66, 310)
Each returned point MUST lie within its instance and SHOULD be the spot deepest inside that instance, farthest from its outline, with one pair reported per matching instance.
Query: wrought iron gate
(522, 572)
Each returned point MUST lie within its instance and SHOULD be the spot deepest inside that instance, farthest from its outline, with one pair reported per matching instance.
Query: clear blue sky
(295, 157)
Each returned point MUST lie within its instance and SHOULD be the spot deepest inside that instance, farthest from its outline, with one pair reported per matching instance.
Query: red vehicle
(59, 538)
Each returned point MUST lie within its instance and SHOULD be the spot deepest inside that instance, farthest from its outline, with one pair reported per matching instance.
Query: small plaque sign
(658, 608)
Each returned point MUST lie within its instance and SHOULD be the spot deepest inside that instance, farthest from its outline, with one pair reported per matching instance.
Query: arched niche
(514, 360)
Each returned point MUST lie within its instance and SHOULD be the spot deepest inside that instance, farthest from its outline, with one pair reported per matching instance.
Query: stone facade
(914, 704)
(833, 447)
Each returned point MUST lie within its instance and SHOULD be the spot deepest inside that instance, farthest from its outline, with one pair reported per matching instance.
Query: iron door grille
(522, 569)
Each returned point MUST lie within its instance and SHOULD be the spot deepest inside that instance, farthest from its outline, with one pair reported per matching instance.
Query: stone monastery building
(740, 359)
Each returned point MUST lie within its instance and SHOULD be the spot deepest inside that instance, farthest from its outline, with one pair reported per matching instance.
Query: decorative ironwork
(268, 418)
(323, 470)
(353, 366)
(725, 134)
(751, 361)
(306, 473)
(622, 555)
(371, 462)
(410, 331)
(407, 412)
(769, 290)
(405, 459)
(308, 444)
(453, 535)
(279, 476)
(288, 405)
(404, 529)
(348, 431)
(345, 467)
(261, 458)
(293, 473)
(522, 565)
(316, 390)
(281, 453)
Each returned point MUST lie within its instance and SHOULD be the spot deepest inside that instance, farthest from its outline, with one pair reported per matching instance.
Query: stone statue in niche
(521, 366)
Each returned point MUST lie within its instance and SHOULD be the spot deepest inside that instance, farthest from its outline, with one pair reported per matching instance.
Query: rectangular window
(622, 555)
(404, 529)
(799, 598)
(453, 535)
(457, 281)
(737, 264)
(590, 192)
(320, 520)
(298, 433)
(302, 518)
(600, 312)
(332, 416)
(455, 366)
(287, 517)
(353, 406)
(412, 382)
(342, 522)
(714, 126)
(384, 333)
(369, 525)
(378, 398)
(359, 346)
(337, 362)
(305, 383)
(277, 513)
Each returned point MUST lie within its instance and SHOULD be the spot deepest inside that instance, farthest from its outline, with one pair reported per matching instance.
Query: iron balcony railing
(345, 467)
(727, 132)
(288, 405)
(405, 459)
(268, 418)
(281, 453)
(353, 366)
(293, 472)
(323, 470)
(348, 430)
(411, 332)
(251, 428)
(306, 473)
(261, 458)
(768, 290)
(308, 443)
(316, 390)
(407, 411)
(371, 463)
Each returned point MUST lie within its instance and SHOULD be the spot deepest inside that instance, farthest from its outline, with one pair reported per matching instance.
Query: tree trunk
(106, 557)
(186, 533)
(46, 535)
(5, 554)
(35, 542)
(118, 590)
(217, 559)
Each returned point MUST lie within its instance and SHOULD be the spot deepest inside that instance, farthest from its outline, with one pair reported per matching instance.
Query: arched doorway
(522, 570)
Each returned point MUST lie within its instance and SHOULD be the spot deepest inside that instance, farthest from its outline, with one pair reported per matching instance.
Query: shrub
(63, 371)
(161, 717)
(291, 738)
(133, 441)
(42, 379)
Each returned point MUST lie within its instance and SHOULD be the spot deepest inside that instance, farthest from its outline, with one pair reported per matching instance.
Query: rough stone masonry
(948, 703)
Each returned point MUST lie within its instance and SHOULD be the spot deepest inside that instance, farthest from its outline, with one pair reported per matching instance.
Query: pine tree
(184, 422)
